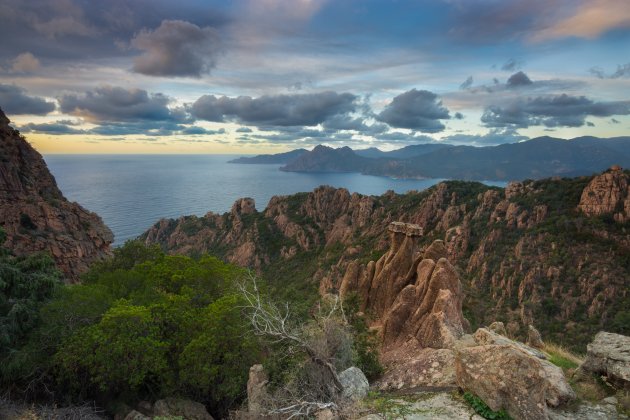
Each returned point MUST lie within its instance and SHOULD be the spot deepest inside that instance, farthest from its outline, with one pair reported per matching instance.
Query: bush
(144, 325)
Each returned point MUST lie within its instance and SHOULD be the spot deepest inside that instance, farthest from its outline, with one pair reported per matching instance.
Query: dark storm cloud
(57, 127)
(467, 83)
(519, 79)
(15, 101)
(419, 110)
(176, 48)
(277, 110)
(108, 103)
(623, 70)
(550, 111)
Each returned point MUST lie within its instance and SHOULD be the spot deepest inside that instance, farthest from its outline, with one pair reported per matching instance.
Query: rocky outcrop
(37, 217)
(608, 194)
(609, 355)
(415, 293)
(506, 376)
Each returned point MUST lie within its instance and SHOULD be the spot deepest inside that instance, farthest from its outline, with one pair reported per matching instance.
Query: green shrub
(482, 408)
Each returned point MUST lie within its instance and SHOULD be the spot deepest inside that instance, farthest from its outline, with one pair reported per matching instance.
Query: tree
(325, 343)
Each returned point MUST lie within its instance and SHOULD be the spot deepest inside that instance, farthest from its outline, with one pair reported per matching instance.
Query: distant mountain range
(537, 158)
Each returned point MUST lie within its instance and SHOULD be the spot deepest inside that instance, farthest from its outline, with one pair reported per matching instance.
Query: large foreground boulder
(507, 376)
(609, 354)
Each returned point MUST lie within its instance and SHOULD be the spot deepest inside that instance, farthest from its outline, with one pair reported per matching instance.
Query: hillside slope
(527, 254)
(35, 214)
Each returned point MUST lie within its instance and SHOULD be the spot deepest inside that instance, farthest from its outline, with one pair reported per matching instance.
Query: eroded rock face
(609, 354)
(608, 193)
(37, 217)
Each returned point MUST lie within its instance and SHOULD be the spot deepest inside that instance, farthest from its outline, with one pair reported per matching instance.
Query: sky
(266, 76)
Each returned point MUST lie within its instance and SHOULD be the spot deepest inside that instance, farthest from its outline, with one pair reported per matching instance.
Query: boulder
(506, 377)
(175, 407)
(533, 338)
(257, 389)
(609, 354)
(355, 384)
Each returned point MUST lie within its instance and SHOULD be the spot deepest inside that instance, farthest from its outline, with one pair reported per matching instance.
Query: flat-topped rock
(408, 229)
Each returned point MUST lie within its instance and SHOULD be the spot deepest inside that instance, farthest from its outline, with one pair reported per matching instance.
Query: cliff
(526, 254)
(35, 214)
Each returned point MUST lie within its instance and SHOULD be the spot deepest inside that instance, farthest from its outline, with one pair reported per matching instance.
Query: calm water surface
(132, 192)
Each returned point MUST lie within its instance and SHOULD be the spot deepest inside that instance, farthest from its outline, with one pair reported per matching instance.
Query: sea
(132, 192)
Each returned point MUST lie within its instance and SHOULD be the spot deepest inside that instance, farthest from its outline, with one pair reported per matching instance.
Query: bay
(132, 192)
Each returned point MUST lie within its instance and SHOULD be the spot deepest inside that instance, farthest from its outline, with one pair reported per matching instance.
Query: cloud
(275, 110)
(147, 128)
(196, 130)
(623, 70)
(590, 19)
(615, 121)
(417, 110)
(458, 116)
(25, 63)
(494, 137)
(176, 48)
(243, 130)
(467, 83)
(590, 124)
(345, 122)
(57, 127)
(15, 101)
(108, 103)
(511, 65)
(550, 111)
(519, 79)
